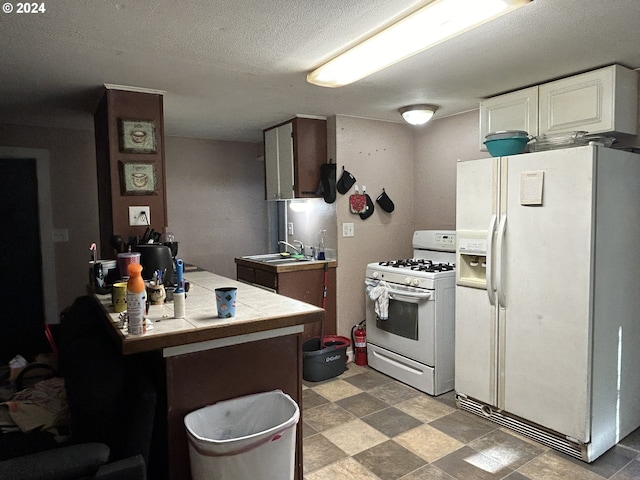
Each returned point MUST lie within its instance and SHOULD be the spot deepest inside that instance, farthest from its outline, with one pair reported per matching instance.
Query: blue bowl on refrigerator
(510, 142)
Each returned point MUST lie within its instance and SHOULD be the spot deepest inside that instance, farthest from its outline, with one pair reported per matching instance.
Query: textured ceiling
(233, 67)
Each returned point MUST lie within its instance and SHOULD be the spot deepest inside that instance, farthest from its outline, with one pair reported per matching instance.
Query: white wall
(417, 168)
(74, 198)
(215, 201)
(437, 151)
(379, 155)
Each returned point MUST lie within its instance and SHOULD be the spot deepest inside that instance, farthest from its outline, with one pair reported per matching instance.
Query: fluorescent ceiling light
(432, 24)
(417, 114)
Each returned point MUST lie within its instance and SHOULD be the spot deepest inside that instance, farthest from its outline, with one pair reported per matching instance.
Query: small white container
(178, 305)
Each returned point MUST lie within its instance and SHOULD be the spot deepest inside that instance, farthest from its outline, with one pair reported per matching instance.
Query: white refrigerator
(548, 295)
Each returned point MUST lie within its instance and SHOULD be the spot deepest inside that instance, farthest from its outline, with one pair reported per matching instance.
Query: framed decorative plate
(137, 136)
(138, 178)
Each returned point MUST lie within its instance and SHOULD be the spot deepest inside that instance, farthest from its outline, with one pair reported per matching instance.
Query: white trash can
(245, 438)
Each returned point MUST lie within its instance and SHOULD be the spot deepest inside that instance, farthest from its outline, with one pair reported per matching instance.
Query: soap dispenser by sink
(321, 255)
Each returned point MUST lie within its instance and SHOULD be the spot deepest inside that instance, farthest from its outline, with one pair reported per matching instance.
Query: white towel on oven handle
(379, 293)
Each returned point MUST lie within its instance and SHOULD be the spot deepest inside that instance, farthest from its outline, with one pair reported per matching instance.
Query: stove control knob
(375, 274)
(407, 280)
(415, 282)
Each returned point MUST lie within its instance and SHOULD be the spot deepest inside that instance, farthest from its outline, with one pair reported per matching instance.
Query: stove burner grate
(418, 265)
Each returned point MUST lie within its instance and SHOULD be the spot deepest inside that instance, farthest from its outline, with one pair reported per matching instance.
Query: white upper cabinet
(278, 158)
(294, 153)
(600, 101)
(512, 111)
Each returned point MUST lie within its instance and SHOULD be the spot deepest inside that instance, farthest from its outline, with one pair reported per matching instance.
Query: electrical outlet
(60, 235)
(348, 230)
(290, 228)
(139, 216)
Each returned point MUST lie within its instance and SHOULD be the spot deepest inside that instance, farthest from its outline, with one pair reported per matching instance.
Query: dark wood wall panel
(114, 206)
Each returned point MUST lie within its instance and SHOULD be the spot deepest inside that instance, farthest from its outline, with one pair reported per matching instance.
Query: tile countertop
(257, 310)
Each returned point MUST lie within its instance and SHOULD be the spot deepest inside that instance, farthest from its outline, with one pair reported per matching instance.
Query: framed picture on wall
(137, 136)
(138, 178)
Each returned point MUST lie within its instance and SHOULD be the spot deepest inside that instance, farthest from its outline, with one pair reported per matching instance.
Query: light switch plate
(348, 230)
(139, 216)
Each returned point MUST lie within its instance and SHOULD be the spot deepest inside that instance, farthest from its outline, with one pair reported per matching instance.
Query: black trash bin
(325, 359)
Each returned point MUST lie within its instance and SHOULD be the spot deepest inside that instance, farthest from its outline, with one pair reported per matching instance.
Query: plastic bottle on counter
(136, 298)
(178, 293)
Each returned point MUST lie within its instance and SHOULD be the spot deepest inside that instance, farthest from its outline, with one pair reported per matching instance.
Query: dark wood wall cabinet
(129, 132)
(293, 153)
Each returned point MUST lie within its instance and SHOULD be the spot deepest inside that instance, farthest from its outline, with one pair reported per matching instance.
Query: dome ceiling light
(417, 114)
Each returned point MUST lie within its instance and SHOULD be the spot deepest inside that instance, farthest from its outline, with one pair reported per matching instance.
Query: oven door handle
(398, 294)
(409, 296)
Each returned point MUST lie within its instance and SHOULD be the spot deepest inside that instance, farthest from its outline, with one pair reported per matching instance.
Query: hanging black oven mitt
(385, 202)
(369, 211)
(345, 182)
(328, 182)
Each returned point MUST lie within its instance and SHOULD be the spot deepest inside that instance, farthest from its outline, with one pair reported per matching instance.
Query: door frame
(49, 289)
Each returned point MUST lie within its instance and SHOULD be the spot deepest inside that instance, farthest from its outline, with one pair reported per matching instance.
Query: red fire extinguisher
(359, 342)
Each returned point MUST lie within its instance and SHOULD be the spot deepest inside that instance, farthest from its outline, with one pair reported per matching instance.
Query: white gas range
(410, 313)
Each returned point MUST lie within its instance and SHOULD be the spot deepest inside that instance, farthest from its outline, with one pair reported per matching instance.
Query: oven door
(409, 330)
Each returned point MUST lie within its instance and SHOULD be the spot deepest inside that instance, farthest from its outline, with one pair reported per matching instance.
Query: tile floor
(363, 425)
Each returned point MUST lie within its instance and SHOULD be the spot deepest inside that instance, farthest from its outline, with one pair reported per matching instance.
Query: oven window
(402, 321)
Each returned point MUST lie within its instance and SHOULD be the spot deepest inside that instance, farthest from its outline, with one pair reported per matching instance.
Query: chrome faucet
(299, 250)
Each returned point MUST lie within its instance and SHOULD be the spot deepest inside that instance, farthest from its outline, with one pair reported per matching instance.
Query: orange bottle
(136, 298)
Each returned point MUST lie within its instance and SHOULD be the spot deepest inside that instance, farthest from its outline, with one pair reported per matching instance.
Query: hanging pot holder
(368, 211)
(357, 202)
(327, 187)
(385, 202)
(345, 182)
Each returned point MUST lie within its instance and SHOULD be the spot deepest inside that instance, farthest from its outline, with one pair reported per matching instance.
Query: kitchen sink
(277, 259)
(281, 261)
(264, 257)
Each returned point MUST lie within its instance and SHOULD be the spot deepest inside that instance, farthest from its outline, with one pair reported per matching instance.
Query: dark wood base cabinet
(304, 285)
(195, 380)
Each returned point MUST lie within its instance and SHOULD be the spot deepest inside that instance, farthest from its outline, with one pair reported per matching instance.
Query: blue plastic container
(503, 147)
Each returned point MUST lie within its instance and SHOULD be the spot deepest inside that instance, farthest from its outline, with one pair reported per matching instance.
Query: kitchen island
(204, 359)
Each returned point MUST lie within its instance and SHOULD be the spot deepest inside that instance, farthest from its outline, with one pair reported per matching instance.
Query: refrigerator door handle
(502, 226)
(489, 272)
